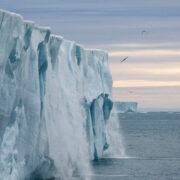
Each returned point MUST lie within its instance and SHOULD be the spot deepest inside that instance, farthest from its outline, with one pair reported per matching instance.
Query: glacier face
(123, 107)
(55, 101)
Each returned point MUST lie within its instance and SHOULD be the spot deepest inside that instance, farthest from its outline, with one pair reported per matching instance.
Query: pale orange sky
(149, 76)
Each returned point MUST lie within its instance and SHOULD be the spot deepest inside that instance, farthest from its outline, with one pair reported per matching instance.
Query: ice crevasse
(55, 101)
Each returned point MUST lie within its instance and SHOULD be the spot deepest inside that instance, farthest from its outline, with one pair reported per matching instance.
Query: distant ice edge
(55, 101)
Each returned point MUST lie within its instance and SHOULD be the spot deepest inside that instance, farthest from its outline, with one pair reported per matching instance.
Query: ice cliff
(55, 101)
(123, 107)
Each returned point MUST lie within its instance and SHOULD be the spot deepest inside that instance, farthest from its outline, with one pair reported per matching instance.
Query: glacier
(124, 107)
(55, 102)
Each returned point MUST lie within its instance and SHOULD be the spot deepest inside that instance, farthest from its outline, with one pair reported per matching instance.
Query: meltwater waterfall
(55, 103)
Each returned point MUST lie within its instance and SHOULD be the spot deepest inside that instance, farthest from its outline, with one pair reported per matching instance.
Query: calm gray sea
(152, 142)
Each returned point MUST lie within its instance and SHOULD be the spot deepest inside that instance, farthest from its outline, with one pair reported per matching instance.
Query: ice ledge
(10, 13)
(43, 28)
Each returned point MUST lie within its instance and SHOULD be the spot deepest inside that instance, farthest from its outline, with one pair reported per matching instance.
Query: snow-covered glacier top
(55, 100)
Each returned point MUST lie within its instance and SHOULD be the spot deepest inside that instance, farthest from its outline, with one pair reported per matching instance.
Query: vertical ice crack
(42, 64)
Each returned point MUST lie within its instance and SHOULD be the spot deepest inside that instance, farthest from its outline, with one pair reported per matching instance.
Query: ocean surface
(152, 144)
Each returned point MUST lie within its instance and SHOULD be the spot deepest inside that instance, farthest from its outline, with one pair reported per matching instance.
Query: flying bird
(124, 59)
(143, 32)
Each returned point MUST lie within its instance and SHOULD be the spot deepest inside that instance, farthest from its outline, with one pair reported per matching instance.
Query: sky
(150, 75)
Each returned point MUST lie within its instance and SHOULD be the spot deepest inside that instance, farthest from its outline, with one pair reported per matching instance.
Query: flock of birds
(124, 59)
(142, 34)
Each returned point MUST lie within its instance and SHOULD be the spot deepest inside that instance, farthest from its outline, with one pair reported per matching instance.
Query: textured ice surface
(123, 107)
(55, 101)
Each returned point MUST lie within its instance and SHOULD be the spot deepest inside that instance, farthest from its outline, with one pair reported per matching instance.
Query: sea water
(152, 146)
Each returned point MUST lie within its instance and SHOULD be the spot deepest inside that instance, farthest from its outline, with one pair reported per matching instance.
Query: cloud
(145, 45)
(146, 52)
(145, 70)
(144, 83)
